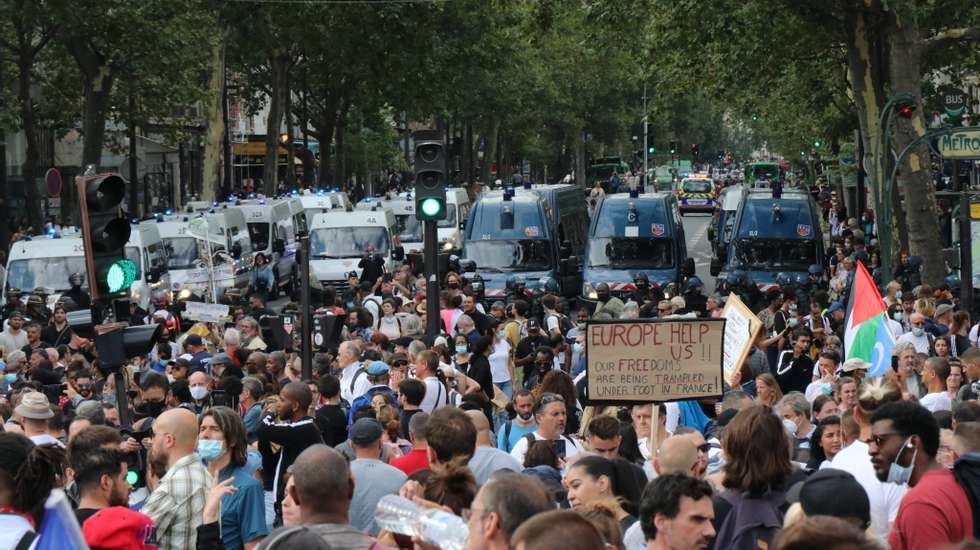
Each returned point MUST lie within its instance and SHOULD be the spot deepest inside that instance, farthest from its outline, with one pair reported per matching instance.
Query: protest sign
(662, 360)
(741, 328)
(208, 313)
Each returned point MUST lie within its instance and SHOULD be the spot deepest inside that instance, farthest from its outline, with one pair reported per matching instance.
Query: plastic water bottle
(442, 529)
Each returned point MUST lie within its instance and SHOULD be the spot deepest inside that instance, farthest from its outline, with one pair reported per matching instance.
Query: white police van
(47, 261)
(228, 239)
(273, 225)
(339, 240)
(323, 201)
(410, 228)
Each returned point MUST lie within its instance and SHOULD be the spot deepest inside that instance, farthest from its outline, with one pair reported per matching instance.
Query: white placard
(632, 231)
(209, 313)
(740, 329)
(224, 277)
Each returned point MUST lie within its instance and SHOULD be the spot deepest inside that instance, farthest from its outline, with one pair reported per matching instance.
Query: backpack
(752, 523)
(364, 401)
(564, 323)
(966, 470)
(361, 371)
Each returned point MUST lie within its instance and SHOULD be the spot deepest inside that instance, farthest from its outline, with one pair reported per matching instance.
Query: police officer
(694, 298)
(37, 311)
(13, 303)
(644, 292)
(81, 298)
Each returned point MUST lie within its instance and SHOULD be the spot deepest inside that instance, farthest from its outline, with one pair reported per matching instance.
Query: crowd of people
(217, 439)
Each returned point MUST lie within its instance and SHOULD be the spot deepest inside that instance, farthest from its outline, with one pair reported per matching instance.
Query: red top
(934, 513)
(417, 459)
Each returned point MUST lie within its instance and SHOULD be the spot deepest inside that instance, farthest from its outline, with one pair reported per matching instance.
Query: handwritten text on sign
(654, 361)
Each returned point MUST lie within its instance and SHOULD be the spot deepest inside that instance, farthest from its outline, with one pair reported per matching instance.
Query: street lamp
(903, 105)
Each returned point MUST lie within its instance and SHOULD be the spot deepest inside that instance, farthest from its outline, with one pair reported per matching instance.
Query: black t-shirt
(372, 268)
(529, 344)
(54, 337)
(480, 320)
(83, 514)
(798, 373)
(479, 370)
(405, 417)
(332, 422)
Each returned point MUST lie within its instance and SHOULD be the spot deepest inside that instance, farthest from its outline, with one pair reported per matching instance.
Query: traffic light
(673, 148)
(105, 233)
(651, 150)
(816, 144)
(905, 109)
(695, 150)
(430, 175)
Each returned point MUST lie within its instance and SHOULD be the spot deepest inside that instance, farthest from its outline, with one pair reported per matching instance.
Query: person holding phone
(551, 416)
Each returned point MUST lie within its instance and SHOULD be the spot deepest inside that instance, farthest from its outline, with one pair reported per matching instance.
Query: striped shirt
(177, 504)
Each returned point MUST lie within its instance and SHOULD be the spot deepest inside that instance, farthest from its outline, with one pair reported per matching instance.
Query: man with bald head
(322, 488)
(292, 430)
(677, 454)
(486, 459)
(177, 504)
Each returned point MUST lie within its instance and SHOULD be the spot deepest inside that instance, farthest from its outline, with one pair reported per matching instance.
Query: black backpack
(966, 470)
(751, 523)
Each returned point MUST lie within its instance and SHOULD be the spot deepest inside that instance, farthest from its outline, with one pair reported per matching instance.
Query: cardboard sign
(208, 313)
(224, 277)
(663, 360)
(741, 327)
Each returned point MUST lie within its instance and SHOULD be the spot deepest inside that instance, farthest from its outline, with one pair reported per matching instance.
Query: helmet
(34, 300)
(14, 293)
(67, 303)
(694, 282)
(550, 285)
(815, 269)
(641, 277)
(76, 279)
(41, 291)
(782, 279)
(733, 278)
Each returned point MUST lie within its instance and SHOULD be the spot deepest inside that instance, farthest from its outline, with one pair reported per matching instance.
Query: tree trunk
(97, 89)
(290, 149)
(29, 125)
(906, 50)
(278, 67)
(326, 128)
(215, 125)
(580, 158)
(490, 152)
(340, 158)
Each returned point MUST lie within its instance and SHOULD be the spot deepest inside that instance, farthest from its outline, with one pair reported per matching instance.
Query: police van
(47, 261)
(696, 194)
(227, 238)
(534, 232)
(339, 240)
(720, 230)
(410, 228)
(634, 234)
(273, 225)
(323, 201)
(774, 238)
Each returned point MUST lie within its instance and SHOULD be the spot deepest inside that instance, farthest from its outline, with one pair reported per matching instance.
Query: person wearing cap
(856, 368)
(373, 478)
(200, 357)
(833, 492)
(527, 347)
(836, 313)
(34, 411)
(376, 373)
(14, 337)
(13, 303)
(939, 324)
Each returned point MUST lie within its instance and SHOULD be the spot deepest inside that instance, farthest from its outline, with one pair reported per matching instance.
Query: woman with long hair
(767, 390)
(593, 478)
(825, 442)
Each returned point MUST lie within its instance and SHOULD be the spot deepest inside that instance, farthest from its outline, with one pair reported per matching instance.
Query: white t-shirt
(572, 447)
(633, 538)
(12, 530)
(361, 383)
(884, 497)
(499, 362)
(938, 401)
(814, 390)
(435, 395)
(921, 343)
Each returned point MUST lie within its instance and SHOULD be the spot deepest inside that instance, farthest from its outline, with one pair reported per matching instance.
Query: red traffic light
(905, 110)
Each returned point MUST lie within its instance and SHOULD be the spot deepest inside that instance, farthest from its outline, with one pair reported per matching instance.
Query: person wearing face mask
(903, 446)
(917, 336)
(501, 365)
(522, 423)
(201, 384)
(221, 444)
(154, 388)
(794, 369)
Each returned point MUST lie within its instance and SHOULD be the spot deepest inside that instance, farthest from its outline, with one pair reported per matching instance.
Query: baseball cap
(854, 364)
(832, 492)
(365, 431)
(440, 341)
(34, 405)
(377, 368)
(194, 340)
(15, 315)
(836, 306)
(221, 359)
(402, 341)
(398, 358)
(943, 309)
(119, 528)
(532, 325)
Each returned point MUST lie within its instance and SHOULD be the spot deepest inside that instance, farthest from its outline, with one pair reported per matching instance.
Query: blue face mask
(210, 449)
(898, 473)
(794, 322)
(10, 377)
(577, 347)
(898, 316)
(501, 335)
(460, 349)
(918, 331)
(898, 295)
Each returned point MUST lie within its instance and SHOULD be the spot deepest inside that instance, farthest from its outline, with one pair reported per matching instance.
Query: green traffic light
(816, 143)
(652, 150)
(431, 207)
(121, 275)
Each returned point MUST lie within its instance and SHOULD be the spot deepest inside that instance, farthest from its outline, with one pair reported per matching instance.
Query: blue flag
(60, 530)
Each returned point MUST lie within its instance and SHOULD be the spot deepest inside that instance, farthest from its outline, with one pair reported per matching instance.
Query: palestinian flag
(866, 332)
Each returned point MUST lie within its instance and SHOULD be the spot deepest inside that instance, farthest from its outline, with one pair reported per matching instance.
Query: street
(698, 247)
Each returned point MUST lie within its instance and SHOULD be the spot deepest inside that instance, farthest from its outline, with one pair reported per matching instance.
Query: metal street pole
(966, 256)
(431, 248)
(646, 145)
(305, 308)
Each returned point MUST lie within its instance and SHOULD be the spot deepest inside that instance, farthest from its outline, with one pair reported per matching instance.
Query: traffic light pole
(430, 233)
(646, 137)
(306, 325)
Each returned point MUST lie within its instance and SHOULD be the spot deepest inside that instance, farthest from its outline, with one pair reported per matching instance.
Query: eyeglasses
(877, 439)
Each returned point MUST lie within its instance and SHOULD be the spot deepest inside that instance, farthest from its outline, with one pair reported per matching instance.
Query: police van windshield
(631, 252)
(182, 252)
(697, 186)
(510, 255)
(637, 237)
(347, 242)
(769, 254)
(259, 232)
(49, 273)
(409, 228)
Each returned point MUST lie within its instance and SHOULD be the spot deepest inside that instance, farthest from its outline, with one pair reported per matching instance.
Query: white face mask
(199, 392)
